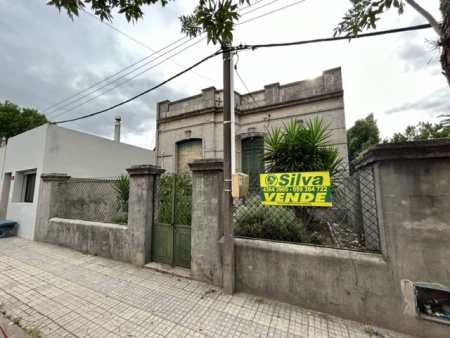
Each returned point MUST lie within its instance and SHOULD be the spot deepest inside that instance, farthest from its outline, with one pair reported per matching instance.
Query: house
(191, 128)
(53, 149)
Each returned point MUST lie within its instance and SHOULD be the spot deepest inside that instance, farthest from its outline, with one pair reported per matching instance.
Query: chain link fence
(351, 223)
(102, 200)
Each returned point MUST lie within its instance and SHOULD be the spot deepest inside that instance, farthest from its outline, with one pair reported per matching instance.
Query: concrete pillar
(207, 223)
(208, 96)
(143, 187)
(47, 203)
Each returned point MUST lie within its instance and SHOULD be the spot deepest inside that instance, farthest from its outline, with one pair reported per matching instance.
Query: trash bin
(6, 226)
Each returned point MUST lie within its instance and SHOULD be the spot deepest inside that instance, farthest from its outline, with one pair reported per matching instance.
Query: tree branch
(426, 15)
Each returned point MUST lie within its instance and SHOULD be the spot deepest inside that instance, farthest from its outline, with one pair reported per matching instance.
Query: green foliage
(122, 189)
(183, 194)
(269, 222)
(121, 218)
(364, 14)
(216, 18)
(131, 9)
(33, 332)
(362, 136)
(422, 131)
(15, 120)
(297, 147)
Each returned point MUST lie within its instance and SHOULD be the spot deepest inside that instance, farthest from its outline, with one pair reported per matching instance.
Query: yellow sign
(305, 189)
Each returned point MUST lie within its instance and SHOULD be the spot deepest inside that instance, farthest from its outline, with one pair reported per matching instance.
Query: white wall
(83, 155)
(24, 152)
(3, 191)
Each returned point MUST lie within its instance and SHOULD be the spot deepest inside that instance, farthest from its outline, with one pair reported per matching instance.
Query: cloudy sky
(68, 69)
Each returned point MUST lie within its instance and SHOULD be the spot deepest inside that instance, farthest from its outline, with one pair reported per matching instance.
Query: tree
(361, 136)
(296, 148)
(422, 131)
(15, 120)
(215, 17)
(365, 13)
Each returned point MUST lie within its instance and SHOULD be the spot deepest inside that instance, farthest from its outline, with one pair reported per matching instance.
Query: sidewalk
(62, 293)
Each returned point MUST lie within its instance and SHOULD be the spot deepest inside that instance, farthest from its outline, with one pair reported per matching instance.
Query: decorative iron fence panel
(351, 223)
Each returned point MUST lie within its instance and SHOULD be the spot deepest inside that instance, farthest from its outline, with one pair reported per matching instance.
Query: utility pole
(228, 243)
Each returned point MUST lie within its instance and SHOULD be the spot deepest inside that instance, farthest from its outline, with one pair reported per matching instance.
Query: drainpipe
(117, 129)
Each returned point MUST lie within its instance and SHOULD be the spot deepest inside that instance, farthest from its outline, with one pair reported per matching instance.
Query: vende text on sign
(305, 188)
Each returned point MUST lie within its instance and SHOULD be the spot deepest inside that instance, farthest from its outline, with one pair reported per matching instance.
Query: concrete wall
(102, 239)
(255, 114)
(413, 203)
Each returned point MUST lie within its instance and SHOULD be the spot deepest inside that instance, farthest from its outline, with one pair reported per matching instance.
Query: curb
(10, 329)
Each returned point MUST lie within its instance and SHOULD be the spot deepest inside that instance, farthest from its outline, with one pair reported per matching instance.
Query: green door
(171, 235)
(252, 160)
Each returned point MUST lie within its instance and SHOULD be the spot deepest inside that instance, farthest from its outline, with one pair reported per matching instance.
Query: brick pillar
(143, 187)
(207, 224)
(47, 202)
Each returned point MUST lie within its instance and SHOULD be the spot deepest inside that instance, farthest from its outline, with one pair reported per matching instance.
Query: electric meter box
(239, 185)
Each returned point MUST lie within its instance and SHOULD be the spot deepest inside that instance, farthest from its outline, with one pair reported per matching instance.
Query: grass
(34, 332)
(371, 332)
(208, 292)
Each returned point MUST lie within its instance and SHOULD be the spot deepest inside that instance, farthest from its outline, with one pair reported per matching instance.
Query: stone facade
(200, 117)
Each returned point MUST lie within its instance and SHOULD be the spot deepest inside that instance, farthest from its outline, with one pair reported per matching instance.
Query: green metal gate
(171, 236)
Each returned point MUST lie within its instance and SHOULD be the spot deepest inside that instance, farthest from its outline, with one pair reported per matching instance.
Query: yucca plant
(122, 190)
(303, 147)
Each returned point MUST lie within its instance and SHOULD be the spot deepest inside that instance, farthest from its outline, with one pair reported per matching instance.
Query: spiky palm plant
(296, 148)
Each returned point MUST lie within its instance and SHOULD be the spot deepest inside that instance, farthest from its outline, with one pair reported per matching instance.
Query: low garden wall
(103, 239)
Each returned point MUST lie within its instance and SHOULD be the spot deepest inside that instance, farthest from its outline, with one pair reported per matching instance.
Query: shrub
(269, 222)
(122, 190)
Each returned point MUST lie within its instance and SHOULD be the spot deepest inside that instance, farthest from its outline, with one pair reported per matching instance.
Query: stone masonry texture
(65, 293)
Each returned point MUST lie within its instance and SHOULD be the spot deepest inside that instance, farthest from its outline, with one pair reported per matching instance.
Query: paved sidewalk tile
(63, 293)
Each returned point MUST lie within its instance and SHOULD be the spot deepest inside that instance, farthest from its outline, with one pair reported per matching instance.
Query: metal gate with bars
(171, 235)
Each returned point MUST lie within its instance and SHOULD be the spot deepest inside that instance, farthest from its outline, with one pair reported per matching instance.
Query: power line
(147, 91)
(111, 76)
(118, 85)
(286, 44)
(123, 82)
(49, 113)
(257, 8)
(143, 45)
(240, 78)
(121, 77)
(253, 47)
(265, 14)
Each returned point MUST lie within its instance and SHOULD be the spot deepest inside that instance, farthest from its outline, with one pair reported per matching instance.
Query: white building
(53, 149)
